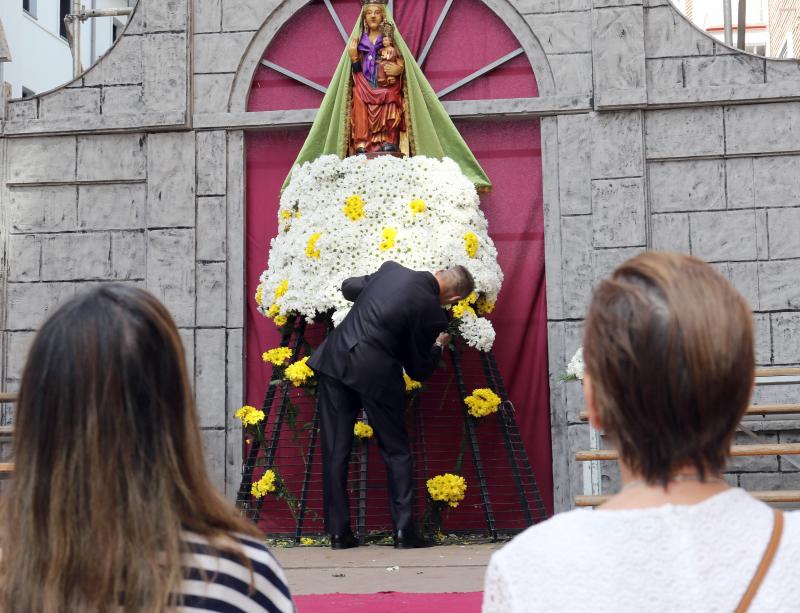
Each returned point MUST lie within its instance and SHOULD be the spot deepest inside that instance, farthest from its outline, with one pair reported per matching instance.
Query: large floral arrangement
(447, 488)
(344, 218)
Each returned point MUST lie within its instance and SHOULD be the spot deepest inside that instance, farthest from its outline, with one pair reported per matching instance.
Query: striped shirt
(218, 581)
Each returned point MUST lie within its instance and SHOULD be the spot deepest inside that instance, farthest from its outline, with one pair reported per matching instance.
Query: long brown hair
(109, 463)
(669, 349)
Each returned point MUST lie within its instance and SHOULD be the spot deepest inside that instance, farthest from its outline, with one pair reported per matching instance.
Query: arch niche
(472, 59)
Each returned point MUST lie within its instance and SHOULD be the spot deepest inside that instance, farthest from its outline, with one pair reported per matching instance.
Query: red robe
(377, 116)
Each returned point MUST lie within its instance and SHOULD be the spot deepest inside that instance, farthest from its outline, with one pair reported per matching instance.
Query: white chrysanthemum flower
(575, 366)
(477, 332)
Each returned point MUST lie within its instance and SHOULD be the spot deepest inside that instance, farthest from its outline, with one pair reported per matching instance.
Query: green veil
(434, 134)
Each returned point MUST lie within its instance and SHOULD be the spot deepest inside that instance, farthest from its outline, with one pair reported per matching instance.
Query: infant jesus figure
(388, 55)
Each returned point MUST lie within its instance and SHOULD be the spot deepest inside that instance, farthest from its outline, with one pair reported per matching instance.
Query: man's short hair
(461, 280)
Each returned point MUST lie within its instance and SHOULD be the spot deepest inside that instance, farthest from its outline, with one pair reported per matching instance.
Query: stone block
(770, 482)
(167, 15)
(740, 191)
(207, 15)
(165, 83)
(744, 277)
(211, 92)
(171, 180)
(245, 14)
(578, 440)
(762, 235)
(692, 185)
(214, 456)
(219, 52)
(667, 33)
(527, 7)
(573, 169)
(211, 233)
(24, 257)
(66, 102)
(785, 338)
(762, 128)
(784, 233)
(762, 332)
(563, 32)
(42, 209)
(723, 236)
(754, 463)
(776, 181)
(211, 163)
(617, 144)
(85, 257)
(607, 260)
(123, 100)
(18, 345)
(684, 132)
(30, 303)
(665, 73)
(111, 157)
(111, 206)
(618, 209)
(40, 159)
(170, 272)
(187, 339)
(234, 368)
(782, 71)
(209, 377)
(778, 288)
(236, 239)
(670, 232)
(618, 49)
(738, 69)
(572, 73)
(575, 401)
(22, 110)
(577, 264)
(211, 295)
(121, 65)
(128, 255)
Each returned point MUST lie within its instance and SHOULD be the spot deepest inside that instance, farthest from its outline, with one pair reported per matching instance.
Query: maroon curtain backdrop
(508, 150)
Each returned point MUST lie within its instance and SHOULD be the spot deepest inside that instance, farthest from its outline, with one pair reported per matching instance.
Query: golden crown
(366, 2)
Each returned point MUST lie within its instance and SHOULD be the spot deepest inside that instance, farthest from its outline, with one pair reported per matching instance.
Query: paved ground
(377, 568)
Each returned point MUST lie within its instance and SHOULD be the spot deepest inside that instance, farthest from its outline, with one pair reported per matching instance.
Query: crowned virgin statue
(379, 101)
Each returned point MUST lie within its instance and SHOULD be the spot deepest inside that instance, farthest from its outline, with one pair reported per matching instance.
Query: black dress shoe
(343, 541)
(409, 539)
(389, 147)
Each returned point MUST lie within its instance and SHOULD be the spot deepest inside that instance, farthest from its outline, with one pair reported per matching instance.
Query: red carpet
(389, 602)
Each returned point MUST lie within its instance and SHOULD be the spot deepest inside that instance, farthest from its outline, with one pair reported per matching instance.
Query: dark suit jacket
(392, 325)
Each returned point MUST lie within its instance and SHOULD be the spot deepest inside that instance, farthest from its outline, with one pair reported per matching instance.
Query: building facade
(653, 136)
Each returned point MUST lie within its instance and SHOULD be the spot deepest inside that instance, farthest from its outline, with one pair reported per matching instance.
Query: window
(66, 5)
(27, 93)
(29, 6)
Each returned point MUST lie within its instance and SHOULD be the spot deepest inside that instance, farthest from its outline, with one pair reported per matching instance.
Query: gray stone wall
(654, 136)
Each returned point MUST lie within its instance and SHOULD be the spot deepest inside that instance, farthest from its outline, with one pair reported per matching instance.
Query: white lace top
(695, 558)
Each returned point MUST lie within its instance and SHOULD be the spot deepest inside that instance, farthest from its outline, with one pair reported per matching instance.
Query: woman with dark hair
(668, 346)
(110, 507)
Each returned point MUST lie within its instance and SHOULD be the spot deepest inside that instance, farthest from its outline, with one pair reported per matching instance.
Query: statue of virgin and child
(379, 102)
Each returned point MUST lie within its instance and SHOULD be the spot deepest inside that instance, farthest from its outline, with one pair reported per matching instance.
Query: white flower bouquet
(575, 367)
(344, 218)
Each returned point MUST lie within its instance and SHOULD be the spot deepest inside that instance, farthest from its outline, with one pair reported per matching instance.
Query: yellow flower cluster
(354, 207)
(465, 306)
(282, 288)
(311, 248)
(277, 356)
(304, 540)
(484, 306)
(471, 244)
(362, 430)
(259, 294)
(265, 485)
(417, 206)
(250, 416)
(389, 234)
(482, 402)
(299, 372)
(447, 488)
(411, 385)
(274, 311)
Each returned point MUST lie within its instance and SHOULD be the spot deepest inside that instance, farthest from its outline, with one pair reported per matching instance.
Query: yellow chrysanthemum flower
(273, 310)
(471, 244)
(482, 402)
(282, 288)
(447, 488)
(265, 485)
(286, 215)
(411, 385)
(311, 248)
(277, 356)
(362, 430)
(388, 234)
(304, 540)
(250, 416)
(259, 294)
(484, 306)
(354, 207)
(281, 320)
(417, 206)
(299, 372)
(463, 306)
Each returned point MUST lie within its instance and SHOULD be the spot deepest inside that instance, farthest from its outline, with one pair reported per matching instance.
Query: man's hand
(352, 49)
(443, 339)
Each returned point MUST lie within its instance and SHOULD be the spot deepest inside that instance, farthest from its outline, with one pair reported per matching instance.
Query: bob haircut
(668, 347)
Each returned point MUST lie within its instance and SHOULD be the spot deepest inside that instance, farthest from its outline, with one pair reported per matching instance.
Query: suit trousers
(339, 408)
